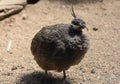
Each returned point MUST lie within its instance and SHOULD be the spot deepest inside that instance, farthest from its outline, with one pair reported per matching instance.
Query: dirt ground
(101, 64)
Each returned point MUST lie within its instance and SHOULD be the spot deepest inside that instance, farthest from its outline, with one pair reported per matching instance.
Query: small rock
(83, 71)
(83, 80)
(14, 68)
(24, 16)
(113, 67)
(7, 73)
(88, 79)
(20, 67)
(96, 13)
(95, 29)
(93, 71)
(81, 68)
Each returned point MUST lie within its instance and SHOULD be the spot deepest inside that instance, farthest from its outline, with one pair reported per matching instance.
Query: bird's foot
(66, 81)
(45, 78)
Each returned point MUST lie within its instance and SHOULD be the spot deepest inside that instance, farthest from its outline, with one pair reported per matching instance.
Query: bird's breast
(77, 43)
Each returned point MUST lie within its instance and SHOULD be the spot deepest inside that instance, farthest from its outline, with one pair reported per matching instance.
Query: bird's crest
(72, 12)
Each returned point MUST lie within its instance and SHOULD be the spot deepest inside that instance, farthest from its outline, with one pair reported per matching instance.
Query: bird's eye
(75, 22)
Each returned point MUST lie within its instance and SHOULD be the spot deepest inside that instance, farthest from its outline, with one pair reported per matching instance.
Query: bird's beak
(84, 26)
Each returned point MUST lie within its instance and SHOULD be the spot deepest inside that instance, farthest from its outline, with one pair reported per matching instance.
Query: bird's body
(58, 47)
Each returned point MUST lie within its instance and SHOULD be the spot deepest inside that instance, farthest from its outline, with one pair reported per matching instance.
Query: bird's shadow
(40, 78)
(76, 1)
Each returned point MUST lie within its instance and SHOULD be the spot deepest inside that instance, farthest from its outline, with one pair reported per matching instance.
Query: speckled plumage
(59, 46)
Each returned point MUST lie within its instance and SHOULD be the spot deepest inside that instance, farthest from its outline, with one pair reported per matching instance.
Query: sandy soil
(101, 64)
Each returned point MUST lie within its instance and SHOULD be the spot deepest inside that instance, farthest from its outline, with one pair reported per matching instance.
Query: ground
(101, 65)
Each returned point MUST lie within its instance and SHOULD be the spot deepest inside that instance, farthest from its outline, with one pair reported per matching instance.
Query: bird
(58, 47)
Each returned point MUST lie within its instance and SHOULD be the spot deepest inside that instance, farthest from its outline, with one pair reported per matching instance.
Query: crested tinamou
(58, 47)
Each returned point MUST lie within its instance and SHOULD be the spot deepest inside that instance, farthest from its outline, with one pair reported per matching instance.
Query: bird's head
(77, 23)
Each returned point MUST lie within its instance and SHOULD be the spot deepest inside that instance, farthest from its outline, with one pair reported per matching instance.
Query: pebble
(7, 73)
(83, 71)
(14, 68)
(17, 67)
(93, 71)
(95, 29)
(20, 67)
(24, 16)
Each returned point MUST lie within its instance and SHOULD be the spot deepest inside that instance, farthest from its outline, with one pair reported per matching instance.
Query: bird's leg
(44, 78)
(46, 73)
(65, 80)
(64, 74)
